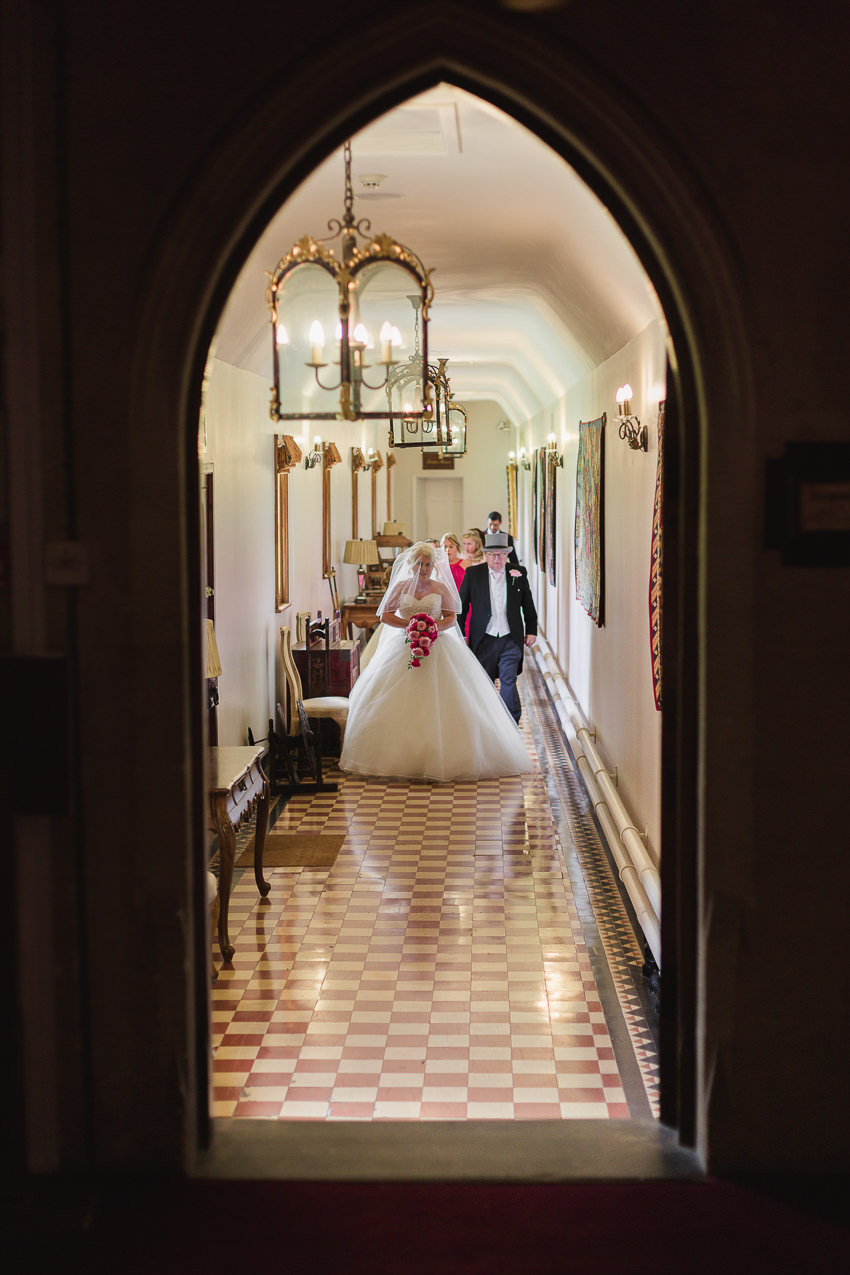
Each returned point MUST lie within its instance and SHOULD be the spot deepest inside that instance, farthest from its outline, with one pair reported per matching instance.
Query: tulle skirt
(442, 721)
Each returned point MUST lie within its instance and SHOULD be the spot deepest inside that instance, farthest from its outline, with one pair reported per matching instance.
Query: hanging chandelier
(457, 421)
(408, 426)
(340, 323)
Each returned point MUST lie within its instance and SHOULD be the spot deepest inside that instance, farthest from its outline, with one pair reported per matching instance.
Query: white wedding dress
(442, 721)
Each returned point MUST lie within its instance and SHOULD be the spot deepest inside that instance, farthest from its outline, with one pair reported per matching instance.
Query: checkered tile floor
(452, 964)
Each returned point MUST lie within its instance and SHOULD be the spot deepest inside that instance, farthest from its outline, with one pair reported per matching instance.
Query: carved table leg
(227, 853)
(260, 835)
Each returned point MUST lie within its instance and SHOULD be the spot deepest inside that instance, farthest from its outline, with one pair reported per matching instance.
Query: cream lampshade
(213, 663)
(363, 554)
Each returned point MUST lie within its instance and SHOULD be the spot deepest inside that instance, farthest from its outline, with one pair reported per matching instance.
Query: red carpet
(666, 1228)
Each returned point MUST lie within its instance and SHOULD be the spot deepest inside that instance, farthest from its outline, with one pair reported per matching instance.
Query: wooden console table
(363, 614)
(238, 788)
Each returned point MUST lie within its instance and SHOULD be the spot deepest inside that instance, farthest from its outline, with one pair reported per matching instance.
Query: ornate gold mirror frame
(358, 462)
(376, 462)
(330, 457)
(391, 464)
(287, 454)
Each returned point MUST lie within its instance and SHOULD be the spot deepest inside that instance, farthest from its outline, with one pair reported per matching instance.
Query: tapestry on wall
(512, 499)
(541, 510)
(552, 469)
(656, 564)
(535, 479)
(589, 517)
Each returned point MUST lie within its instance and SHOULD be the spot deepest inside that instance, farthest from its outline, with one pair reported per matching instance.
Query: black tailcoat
(475, 592)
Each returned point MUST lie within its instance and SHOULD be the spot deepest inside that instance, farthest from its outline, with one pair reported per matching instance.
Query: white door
(439, 507)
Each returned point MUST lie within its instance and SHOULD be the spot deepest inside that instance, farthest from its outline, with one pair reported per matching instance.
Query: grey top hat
(496, 540)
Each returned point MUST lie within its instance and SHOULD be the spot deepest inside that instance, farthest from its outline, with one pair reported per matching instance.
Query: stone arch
(294, 121)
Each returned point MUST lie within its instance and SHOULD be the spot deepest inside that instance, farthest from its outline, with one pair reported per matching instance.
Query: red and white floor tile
(466, 957)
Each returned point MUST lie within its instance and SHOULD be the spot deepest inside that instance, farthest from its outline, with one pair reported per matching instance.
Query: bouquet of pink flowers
(421, 634)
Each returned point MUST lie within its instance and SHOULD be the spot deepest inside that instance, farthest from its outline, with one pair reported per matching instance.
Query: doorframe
(651, 192)
(419, 490)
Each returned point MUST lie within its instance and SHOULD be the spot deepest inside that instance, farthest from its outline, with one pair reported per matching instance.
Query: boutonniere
(515, 574)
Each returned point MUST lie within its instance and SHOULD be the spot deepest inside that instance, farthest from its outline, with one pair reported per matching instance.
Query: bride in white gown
(443, 720)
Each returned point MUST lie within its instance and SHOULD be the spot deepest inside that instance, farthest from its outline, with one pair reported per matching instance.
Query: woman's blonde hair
(424, 549)
(450, 535)
(475, 534)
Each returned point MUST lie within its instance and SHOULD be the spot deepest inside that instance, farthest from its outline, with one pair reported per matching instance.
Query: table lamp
(363, 554)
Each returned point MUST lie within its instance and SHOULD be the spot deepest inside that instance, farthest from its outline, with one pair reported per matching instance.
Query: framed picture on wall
(433, 460)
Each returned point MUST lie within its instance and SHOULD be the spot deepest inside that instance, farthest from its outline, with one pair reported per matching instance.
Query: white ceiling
(534, 283)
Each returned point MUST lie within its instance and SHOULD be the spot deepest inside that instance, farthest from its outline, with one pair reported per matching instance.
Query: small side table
(363, 614)
(238, 788)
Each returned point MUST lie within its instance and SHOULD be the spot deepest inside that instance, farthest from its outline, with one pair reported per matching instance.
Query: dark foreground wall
(143, 146)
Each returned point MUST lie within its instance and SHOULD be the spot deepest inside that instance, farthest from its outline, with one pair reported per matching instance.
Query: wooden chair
(318, 653)
(334, 707)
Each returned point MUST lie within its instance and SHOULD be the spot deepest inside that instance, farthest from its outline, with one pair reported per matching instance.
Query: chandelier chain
(349, 194)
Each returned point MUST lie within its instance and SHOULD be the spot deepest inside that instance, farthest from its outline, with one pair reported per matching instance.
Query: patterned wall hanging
(589, 527)
(552, 469)
(656, 564)
(512, 498)
(541, 511)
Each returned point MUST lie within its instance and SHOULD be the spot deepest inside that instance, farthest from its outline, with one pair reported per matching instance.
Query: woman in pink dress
(454, 553)
(469, 552)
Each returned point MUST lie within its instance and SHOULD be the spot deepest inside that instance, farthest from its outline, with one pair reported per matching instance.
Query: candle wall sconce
(552, 450)
(631, 430)
(314, 457)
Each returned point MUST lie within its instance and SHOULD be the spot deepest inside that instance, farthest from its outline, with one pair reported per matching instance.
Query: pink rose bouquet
(421, 634)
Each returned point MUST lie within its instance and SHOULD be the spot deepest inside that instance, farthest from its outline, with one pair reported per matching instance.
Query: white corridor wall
(608, 668)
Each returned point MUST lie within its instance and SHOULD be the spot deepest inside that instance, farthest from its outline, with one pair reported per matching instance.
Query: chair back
(293, 679)
(318, 646)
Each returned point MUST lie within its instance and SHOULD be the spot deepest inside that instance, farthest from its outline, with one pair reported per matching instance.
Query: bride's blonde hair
(424, 549)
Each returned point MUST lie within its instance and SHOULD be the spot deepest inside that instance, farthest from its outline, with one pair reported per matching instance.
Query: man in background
(494, 526)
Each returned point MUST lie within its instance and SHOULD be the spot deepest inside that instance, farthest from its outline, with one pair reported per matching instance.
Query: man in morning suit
(494, 524)
(503, 620)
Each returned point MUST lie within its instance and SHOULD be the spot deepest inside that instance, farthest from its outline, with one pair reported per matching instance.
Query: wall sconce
(552, 450)
(631, 430)
(373, 460)
(314, 457)
(524, 458)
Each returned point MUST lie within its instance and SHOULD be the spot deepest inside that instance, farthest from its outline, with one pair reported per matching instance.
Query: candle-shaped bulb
(282, 335)
(317, 341)
(386, 338)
